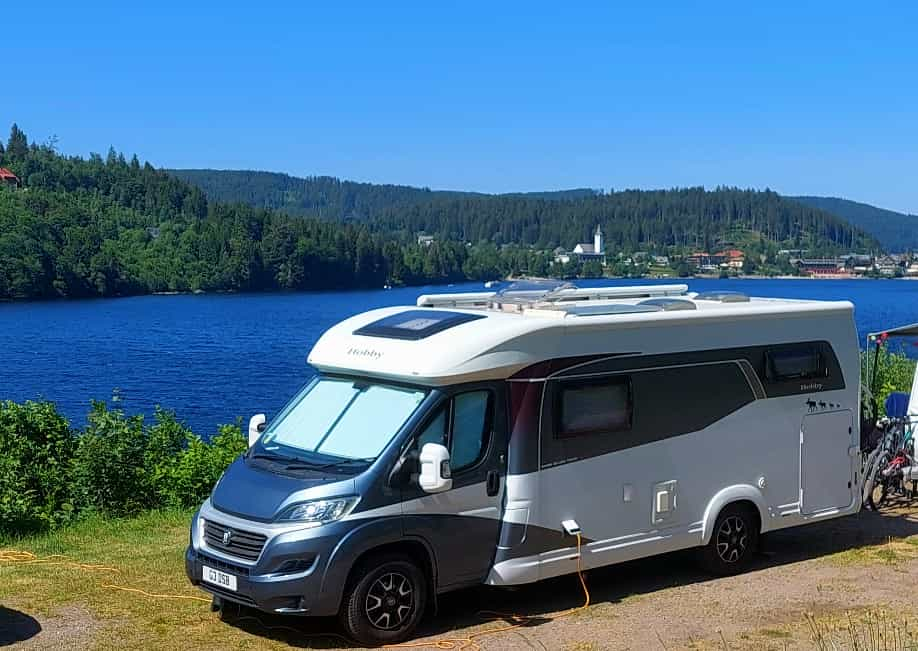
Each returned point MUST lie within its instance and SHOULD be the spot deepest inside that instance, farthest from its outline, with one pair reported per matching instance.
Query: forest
(109, 226)
(663, 221)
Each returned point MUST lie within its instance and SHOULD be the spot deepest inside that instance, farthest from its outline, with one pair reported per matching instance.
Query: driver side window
(463, 425)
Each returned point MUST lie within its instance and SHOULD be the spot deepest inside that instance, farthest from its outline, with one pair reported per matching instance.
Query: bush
(36, 446)
(166, 441)
(200, 465)
(118, 465)
(889, 371)
(108, 468)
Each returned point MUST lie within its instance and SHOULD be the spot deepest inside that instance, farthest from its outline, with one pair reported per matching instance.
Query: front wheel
(733, 542)
(385, 601)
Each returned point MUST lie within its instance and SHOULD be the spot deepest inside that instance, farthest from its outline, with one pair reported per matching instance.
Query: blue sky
(805, 98)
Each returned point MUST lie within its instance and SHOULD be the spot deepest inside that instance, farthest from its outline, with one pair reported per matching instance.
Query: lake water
(213, 358)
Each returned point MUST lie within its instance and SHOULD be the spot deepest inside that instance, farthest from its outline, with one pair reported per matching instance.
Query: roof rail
(632, 291)
(561, 295)
(467, 299)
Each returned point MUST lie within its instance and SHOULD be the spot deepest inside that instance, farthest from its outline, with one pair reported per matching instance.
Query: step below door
(825, 461)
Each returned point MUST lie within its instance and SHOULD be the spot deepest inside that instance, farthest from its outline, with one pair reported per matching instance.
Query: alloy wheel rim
(732, 539)
(390, 601)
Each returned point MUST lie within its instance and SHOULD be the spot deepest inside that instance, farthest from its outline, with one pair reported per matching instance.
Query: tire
(733, 543)
(385, 600)
(877, 489)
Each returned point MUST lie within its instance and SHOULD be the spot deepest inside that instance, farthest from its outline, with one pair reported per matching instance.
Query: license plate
(222, 579)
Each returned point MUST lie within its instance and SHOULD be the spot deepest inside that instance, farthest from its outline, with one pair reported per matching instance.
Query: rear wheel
(385, 601)
(877, 490)
(733, 543)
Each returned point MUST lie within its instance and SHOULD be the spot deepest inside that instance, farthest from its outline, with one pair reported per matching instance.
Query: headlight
(320, 511)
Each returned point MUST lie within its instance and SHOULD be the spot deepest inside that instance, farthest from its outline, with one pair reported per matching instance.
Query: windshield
(341, 418)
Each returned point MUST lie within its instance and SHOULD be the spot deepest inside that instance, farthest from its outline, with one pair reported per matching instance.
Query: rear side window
(595, 407)
(796, 362)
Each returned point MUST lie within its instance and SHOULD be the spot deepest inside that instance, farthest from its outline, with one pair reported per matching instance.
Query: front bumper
(290, 594)
(288, 576)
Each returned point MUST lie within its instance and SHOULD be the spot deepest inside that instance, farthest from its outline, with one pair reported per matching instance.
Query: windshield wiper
(270, 456)
(295, 463)
(344, 462)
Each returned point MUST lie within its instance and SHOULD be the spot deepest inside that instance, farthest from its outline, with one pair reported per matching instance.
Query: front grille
(228, 594)
(232, 568)
(241, 544)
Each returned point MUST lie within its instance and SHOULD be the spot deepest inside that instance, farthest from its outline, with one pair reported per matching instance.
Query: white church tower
(597, 241)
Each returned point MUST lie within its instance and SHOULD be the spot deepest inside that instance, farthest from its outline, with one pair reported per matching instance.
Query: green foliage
(889, 371)
(896, 231)
(118, 465)
(113, 227)
(199, 466)
(108, 469)
(36, 445)
(631, 219)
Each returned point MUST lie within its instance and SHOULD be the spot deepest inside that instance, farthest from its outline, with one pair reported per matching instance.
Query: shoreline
(509, 279)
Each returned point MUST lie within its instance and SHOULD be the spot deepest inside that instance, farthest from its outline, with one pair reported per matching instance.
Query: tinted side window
(436, 431)
(463, 425)
(797, 362)
(471, 426)
(595, 407)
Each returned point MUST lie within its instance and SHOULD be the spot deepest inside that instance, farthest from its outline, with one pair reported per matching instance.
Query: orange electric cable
(17, 557)
(518, 621)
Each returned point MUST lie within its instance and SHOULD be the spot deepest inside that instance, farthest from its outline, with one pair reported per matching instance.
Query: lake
(215, 357)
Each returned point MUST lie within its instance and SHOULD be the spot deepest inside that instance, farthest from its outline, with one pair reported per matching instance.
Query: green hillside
(109, 226)
(661, 220)
(896, 231)
(326, 197)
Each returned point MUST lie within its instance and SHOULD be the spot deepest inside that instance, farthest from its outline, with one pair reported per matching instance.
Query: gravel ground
(826, 570)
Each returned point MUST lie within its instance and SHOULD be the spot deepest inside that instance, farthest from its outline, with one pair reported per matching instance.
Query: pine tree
(18, 145)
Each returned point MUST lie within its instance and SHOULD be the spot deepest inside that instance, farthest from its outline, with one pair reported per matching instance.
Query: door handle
(492, 481)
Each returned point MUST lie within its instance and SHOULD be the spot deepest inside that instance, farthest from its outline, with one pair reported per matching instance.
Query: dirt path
(864, 562)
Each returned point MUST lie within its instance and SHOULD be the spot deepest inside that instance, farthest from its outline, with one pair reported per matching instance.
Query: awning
(901, 331)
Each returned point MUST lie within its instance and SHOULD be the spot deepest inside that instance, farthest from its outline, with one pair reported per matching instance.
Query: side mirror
(257, 425)
(435, 474)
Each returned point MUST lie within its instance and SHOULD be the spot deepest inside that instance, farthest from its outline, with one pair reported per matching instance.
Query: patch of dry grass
(148, 552)
(892, 552)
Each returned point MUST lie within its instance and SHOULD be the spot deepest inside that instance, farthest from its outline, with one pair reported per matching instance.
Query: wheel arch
(379, 537)
(742, 494)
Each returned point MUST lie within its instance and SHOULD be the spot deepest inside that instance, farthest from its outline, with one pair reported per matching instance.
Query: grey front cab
(304, 569)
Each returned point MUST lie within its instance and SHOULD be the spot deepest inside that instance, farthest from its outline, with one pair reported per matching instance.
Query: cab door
(462, 524)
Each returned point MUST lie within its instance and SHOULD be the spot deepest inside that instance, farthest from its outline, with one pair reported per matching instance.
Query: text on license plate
(222, 579)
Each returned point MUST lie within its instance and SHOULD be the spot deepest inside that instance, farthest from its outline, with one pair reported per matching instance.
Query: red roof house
(8, 178)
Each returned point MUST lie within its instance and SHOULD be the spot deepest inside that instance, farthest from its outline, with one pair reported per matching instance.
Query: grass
(892, 552)
(149, 553)
(869, 631)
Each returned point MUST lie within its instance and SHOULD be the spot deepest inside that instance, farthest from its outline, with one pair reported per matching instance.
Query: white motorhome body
(498, 437)
(640, 414)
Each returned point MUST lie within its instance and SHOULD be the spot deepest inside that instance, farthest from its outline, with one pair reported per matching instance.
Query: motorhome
(495, 437)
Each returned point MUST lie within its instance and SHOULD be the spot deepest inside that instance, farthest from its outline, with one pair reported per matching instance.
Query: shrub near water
(117, 465)
(36, 446)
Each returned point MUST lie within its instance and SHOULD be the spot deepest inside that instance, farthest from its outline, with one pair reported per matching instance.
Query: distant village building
(595, 251)
(426, 240)
(584, 251)
(732, 259)
(822, 267)
(888, 265)
(561, 255)
(9, 179)
(703, 261)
